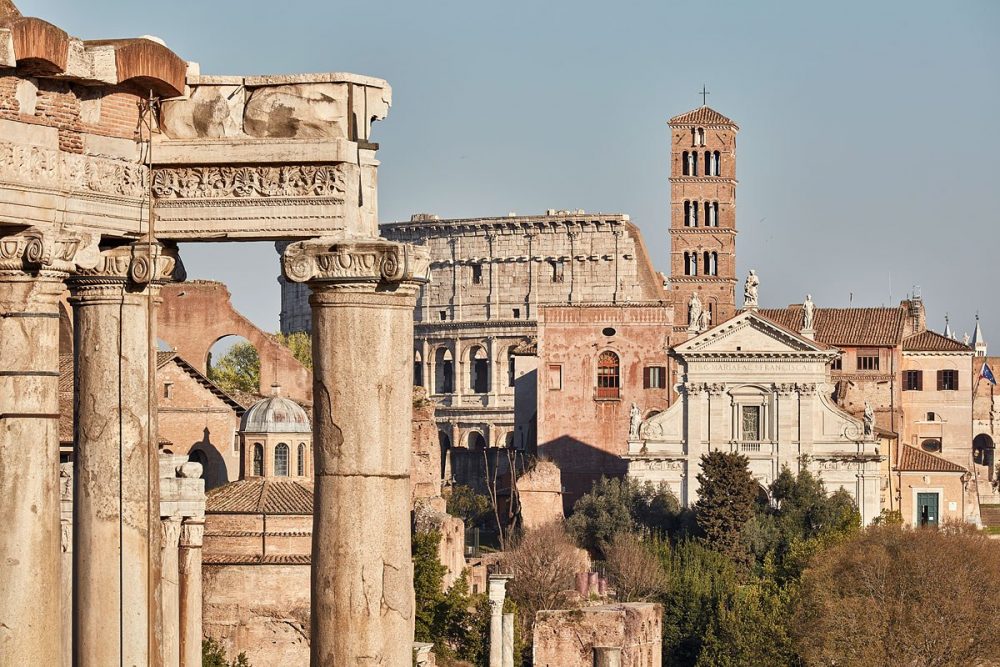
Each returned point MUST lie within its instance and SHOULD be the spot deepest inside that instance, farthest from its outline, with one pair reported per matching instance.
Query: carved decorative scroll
(360, 261)
(43, 250)
(240, 182)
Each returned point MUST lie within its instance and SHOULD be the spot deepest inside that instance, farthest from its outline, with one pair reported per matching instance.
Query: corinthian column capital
(192, 533)
(54, 251)
(373, 261)
(138, 264)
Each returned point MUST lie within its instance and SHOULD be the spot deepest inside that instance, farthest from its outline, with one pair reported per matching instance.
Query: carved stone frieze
(38, 166)
(246, 182)
(374, 261)
(716, 389)
(655, 464)
(41, 250)
(786, 388)
(806, 388)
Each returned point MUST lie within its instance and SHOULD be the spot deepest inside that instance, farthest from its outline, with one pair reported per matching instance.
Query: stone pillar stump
(189, 608)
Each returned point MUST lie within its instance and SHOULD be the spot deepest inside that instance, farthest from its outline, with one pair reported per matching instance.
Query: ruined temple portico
(89, 202)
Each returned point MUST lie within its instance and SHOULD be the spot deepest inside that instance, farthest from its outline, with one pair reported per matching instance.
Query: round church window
(931, 445)
(609, 331)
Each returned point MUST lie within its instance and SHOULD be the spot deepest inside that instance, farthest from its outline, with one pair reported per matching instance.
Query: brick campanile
(703, 213)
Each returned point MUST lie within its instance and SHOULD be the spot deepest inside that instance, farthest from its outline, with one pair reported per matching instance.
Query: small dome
(275, 414)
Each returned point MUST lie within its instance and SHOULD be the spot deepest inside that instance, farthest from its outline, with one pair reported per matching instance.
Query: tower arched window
(690, 263)
(258, 460)
(443, 371)
(712, 214)
(300, 467)
(685, 163)
(710, 263)
(700, 136)
(708, 163)
(716, 163)
(281, 460)
(690, 213)
(608, 375)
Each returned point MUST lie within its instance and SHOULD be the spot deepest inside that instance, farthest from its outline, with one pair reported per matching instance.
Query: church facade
(753, 387)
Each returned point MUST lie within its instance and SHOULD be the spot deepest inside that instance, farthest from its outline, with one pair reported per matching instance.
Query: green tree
(453, 620)
(471, 507)
(214, 655)
(725, 504)
(238, 370)
(621, 505)
(300, 345)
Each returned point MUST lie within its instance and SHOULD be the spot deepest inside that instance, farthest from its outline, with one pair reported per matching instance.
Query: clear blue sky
(868, 149)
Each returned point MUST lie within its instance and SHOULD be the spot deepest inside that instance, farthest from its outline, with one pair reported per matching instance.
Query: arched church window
(700, 136)
(685, 164)
(281, 460)
(716, 160)
(300, 467)
(690, 263)
(258, 459)
(708, 163)
(608, 375)
(711, 263)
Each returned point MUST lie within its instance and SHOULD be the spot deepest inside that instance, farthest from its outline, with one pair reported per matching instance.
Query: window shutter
(940, 380)
(920, 380)
(646, 372)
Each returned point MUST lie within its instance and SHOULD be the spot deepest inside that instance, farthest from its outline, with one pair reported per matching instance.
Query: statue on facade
(635, 419)
(808, 312)
(694, 311)
(705, 321)
(869, 419)
(750, 290)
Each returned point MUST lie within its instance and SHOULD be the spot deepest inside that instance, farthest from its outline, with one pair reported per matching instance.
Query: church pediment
(750, 333)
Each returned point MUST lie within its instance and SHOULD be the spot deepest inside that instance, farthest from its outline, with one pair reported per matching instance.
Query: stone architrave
(363, 294)
(33, 264)
(189, 569)
(116, 531)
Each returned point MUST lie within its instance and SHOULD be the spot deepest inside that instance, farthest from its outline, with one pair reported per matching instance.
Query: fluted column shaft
(362, 300)
(32, 268)
(116, 514)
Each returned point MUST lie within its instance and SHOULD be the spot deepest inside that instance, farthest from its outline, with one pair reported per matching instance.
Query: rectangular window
(555, 376)
(517, 313)
(750, 422)
(477, 274)
(947, 380)
(443, 314)
(654, 377)
(837, 364)
(867, 360)
(913, 381)
(168, 389)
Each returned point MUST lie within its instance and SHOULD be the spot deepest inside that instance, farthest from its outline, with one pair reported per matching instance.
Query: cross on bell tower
(704, 95)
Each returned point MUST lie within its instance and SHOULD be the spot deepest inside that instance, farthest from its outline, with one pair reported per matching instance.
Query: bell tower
(703, 214)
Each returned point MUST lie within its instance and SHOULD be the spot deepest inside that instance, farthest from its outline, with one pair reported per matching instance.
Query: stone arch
(194, 315)
(984, 451)
(475, 441)
(444, 371)
(479, 369)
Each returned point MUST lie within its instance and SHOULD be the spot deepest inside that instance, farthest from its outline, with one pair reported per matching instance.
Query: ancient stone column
(116, 505)
(497, 589)
(170, 591)
(189, 568)
(362, 300)
(32, 267)
(507, 656)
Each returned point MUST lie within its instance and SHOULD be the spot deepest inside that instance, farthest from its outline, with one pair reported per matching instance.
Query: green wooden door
(927, 509)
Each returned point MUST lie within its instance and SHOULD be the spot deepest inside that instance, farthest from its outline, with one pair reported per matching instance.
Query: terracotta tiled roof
(846, 326)
(261, 495)
(912, 459)
(930, 341)
(701, 116)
